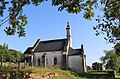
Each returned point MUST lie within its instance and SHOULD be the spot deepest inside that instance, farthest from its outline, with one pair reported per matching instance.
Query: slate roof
(28, 50)
(75, 51)
(51, 45)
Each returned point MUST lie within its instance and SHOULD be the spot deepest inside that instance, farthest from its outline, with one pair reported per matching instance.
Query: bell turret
(69, 36)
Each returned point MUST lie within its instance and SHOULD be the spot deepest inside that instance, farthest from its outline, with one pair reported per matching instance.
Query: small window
(55, 61)
(39, 62)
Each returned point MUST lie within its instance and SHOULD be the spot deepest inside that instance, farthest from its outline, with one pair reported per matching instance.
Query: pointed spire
(68, 34)
(68, 25)
(68, 30)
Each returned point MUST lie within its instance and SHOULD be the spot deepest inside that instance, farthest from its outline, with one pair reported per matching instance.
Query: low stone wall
(111, 73)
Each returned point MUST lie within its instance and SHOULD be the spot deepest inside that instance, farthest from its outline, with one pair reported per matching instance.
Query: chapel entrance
(43, 60)
(55, 61)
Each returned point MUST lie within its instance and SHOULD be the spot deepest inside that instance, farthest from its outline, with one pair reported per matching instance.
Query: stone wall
(75, 63)
(49, 58)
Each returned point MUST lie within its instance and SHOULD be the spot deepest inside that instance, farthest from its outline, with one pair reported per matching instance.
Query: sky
(45, 22)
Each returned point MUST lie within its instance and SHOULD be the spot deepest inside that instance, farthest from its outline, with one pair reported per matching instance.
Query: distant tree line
(97, 66)
(110, 61)
(9, 55)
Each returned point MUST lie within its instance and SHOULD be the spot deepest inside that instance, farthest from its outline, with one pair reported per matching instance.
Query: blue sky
(45, 22)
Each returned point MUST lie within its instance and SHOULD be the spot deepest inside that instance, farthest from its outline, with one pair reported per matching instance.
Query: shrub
(7, 73)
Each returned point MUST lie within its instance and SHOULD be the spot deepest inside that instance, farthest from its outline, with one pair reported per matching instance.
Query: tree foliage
(89, 68)
(9, 55)
(17, 19)
(97, 66)
(108, 24)
(3, 52)
(14, 56)
(111, 60)
(117, 49)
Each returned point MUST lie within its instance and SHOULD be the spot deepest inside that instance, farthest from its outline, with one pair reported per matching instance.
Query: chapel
(60, 52)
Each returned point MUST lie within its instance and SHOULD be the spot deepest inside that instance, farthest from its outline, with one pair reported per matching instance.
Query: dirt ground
(45, 76)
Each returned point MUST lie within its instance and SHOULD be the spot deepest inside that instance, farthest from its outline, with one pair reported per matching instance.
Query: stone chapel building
(57, 52)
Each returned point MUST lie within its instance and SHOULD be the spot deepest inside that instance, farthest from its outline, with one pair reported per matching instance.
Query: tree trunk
(1, 62)
(9, 63)
(18, 64)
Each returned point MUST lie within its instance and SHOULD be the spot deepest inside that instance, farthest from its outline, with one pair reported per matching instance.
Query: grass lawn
(118, 76)
(65, 74)
(57, 73)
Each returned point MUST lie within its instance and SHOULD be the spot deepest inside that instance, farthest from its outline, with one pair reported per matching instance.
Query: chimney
(82, 48)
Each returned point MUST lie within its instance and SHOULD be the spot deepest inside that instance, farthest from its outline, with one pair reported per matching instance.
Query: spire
(68, 30)
(68, 26)
(68, 34)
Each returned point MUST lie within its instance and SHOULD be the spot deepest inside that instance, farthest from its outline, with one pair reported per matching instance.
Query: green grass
(63, 74)
(118, 76)
(95, 72)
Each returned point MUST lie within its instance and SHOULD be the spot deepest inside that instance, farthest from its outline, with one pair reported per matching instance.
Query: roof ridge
(53, 40)
(36, 44)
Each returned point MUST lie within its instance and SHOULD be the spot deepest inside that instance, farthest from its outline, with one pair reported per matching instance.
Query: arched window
(38, 61)
(55, 61)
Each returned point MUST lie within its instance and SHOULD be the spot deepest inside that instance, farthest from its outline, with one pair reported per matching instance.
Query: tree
(9, 55)
(108, 24)
(14, 56)
(89, 68)
(3, 52)
(111, 60)
(17, 20)
(97, 66)
(117, 49)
